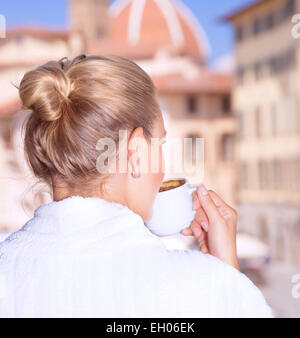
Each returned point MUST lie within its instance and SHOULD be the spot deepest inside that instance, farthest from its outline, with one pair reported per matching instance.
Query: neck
(110, 191)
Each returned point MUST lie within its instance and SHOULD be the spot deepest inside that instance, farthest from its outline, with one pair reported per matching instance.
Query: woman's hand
(214, 226)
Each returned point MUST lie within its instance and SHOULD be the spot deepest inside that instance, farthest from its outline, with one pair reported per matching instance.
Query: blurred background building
(266, 100)
(249, 118)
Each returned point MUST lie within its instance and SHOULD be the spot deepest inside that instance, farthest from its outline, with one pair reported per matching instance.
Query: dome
(140, 28)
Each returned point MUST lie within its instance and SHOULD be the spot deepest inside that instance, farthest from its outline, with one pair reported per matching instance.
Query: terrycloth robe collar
(78, 214)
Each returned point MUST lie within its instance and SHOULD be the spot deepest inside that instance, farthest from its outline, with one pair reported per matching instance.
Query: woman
(88, 253)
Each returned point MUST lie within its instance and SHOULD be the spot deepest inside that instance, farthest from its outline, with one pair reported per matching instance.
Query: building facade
(266, 101)
(168, 42)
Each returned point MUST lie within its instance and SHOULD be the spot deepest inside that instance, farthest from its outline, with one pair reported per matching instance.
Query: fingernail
(204, 226)
(203, 190)
(197, 232)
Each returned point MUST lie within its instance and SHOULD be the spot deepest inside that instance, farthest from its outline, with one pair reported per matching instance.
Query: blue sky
(54, 13)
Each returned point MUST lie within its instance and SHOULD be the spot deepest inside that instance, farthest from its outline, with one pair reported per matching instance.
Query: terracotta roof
(40, 32)
(249, 6)
(10, 108)
(207, 82)
(139, 28)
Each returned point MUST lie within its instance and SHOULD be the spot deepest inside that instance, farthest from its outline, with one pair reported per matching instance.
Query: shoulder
(14, 244)
(231, 292)
(192, 267)
(247, 299)
(196, 260)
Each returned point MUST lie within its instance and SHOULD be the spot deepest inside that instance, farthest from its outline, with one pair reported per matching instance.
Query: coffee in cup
(171, 184)
(172, 208)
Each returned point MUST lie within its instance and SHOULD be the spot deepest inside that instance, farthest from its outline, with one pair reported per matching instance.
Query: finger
(202, 218)
(224, 209)
(187, 232)
(201, 221)
(219, 202)
(208, 205)
(202, 243)
(203, 249)
(196, 228)
(202, 240)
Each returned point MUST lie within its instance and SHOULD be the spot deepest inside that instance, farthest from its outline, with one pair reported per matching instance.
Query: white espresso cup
(172, 209)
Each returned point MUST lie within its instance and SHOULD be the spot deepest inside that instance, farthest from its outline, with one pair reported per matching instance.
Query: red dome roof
(140, 28)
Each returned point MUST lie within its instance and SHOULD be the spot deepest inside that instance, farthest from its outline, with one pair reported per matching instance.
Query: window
(288, 9)
(273, 65)
(226, 104)
(289, 172)
(289, 59)
(257, 123)
(270, 21)
(190, 151)
(258, 70)
(244, 176)
(241, 125)
(257, 26)
(295, 174)
(192, 104)
(274, 119)
(262, 174)
(263, 228)
(227, 147)
(283, 62)
(265, 175)
(239, 33)
(276, 174)
(240, 75)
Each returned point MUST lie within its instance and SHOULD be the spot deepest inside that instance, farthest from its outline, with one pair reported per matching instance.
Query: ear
(135, 141)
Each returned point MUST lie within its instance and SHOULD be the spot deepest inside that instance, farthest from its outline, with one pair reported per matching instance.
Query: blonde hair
(74, 103)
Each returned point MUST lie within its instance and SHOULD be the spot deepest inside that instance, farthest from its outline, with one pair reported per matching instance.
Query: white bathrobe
(86, 257)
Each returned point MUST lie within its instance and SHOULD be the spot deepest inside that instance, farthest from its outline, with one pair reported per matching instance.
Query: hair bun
(45, 91)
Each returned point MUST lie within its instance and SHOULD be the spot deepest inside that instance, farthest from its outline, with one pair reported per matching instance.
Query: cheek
(157, 180)
(156, 166)
(158, 177)
(161, 162)
(152, 185)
